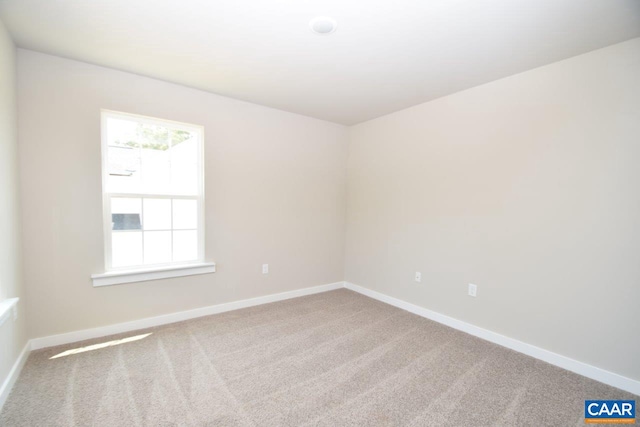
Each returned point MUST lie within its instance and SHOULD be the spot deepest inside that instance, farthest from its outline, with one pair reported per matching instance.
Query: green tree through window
(155, 137)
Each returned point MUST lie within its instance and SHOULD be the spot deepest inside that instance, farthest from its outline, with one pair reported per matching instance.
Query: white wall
(12, 334)
(275, 193)
(527, 187)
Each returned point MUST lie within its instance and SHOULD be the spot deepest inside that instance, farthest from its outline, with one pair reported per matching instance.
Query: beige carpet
(332, 359)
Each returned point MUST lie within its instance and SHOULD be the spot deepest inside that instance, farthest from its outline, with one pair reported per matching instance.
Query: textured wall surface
(526, 187)
(275, 193)
(12, 334)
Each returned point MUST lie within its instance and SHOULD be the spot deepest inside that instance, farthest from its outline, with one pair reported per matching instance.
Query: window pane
(126, 248)
(184, 178)
(157, 214)
(154, 146)
(125, 213)
(184, 163)
(154, 161)
(121, 132)
(157, 247)
(185, 214)
(185, 245)
(183, 145)
(152, 137)
(156, 171)
(124, 167)
(123, 152)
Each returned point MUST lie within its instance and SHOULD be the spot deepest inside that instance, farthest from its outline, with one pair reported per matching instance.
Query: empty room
(319, 213)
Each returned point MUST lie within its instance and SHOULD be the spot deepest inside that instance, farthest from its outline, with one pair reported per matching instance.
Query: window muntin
(153, 192)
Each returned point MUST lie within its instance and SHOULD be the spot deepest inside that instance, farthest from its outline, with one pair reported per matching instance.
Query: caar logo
(609, 411)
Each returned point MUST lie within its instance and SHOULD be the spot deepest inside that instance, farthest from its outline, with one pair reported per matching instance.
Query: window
(153, 192)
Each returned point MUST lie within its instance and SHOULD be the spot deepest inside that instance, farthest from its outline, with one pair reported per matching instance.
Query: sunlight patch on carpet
(101, 345)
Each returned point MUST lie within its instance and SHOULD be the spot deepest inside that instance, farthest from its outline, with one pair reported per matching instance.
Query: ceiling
(386, 55)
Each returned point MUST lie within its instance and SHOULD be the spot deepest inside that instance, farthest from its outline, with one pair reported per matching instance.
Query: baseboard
(581, 368)
(606, 377)
(13, 374)
(54, 340)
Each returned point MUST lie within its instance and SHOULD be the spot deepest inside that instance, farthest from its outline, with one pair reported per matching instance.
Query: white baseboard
(13, 374)
(70, 337)
(601, 375)
(606, 377)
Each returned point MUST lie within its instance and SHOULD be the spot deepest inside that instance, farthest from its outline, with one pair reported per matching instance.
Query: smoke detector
(323, 25)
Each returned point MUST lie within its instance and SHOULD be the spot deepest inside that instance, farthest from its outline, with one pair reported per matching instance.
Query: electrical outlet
(473, 290)
(265, 268)
(418, 277)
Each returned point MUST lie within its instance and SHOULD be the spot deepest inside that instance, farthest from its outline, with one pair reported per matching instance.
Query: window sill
(5, 309)
(131, 276)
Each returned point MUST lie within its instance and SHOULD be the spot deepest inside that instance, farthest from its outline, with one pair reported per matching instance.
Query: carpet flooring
(332, 359)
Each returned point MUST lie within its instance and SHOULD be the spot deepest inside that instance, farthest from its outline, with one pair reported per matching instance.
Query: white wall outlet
(473, 289)
(265, 268)
(418, 277)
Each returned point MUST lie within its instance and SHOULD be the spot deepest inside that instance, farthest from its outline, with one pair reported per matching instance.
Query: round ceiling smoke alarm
(323, 25)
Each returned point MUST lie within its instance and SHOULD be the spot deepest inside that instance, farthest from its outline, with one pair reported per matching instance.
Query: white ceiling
(386, 55)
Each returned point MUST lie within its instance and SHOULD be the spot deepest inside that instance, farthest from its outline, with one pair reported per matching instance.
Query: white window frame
(116, 275)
